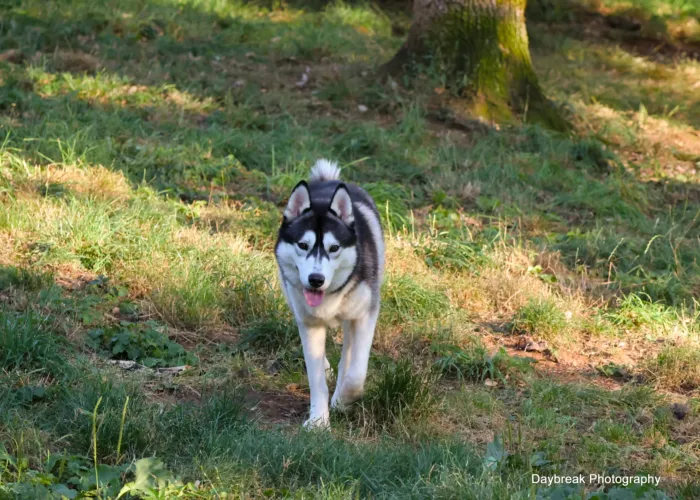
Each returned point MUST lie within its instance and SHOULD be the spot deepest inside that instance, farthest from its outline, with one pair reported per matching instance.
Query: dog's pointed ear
(341, 204)
(299, 201)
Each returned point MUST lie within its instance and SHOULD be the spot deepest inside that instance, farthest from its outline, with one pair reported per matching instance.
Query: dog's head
(316, 249)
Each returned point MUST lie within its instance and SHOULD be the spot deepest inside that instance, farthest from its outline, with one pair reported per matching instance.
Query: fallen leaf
(304, 78)
(12, 56)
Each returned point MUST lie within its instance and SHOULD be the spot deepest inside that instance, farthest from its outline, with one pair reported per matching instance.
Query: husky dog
(330, 254)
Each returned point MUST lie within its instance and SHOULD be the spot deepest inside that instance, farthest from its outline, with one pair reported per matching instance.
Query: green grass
(27, 344)
(475, 364)
(636, 311)
(541, 318)
(400, 393)
(658, 20)
(147, 151)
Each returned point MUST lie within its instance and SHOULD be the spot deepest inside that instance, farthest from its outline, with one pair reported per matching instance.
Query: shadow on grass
(639, 30)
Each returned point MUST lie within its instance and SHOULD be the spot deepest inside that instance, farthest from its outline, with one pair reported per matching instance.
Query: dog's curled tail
(324, 170)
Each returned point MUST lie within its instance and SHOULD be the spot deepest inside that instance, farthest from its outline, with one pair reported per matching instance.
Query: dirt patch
(276, 407)
(75, 62)
(71, 277)
(173, 396)
(580, 363)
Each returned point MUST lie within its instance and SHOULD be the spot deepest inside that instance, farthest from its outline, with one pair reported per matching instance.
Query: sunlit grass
(148, 149)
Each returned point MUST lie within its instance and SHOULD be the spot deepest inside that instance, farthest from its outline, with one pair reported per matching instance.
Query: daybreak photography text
(603, 479)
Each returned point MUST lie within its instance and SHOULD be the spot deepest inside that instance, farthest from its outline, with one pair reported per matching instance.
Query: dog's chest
(335, 307)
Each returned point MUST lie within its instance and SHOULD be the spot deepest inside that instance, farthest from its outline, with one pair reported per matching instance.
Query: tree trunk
(481, 49)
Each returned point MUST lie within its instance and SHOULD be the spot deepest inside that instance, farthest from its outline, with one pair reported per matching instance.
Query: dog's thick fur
(330, 254)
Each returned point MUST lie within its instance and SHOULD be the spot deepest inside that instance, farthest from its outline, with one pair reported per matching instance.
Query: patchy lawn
(539, 312)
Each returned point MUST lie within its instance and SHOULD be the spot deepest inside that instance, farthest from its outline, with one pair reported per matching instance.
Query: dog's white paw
(318, 422)
(350, 391)
(343, 399)
(336, 402)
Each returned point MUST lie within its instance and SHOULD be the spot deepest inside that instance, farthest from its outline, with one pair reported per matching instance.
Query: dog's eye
(334, 248)
(303, 246)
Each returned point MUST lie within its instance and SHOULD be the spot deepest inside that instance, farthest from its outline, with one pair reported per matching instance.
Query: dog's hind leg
(353, 382)
(313, 341)
(345, 355)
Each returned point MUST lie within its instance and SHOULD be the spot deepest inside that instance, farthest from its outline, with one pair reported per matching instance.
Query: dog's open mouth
(313, 297)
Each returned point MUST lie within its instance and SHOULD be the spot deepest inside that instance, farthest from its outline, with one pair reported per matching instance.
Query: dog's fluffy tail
(324, 170)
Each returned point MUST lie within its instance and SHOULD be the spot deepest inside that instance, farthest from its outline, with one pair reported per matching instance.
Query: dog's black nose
(316, 280)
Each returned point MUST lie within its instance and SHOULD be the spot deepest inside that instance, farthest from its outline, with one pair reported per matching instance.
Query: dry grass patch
(7, 246)
(676, 369)
(97, 181)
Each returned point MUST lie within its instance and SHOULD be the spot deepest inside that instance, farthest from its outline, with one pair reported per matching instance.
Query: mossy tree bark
(481, 48)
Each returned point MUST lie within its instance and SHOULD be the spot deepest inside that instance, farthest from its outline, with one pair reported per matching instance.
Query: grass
(541, 318)
(27, 345)
(676, 369)
(399, 394)
(475, 364)
(147, 150)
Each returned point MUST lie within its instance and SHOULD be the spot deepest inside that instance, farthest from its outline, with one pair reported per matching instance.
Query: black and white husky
(330, 254)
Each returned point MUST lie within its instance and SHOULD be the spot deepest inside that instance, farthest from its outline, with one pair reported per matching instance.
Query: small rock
(239, 83)
(527, 343)
(126, 364)
(490, 383)
(273, 366)
(680, 410)
(173, 370)
(362, 108)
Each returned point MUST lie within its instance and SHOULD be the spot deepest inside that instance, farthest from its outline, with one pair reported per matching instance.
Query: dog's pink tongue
(313, 297)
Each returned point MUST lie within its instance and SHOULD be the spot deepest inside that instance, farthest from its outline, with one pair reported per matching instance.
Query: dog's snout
(316, 280)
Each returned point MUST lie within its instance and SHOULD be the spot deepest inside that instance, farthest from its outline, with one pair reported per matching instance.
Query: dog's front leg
(313, 339)
(346, 354)
(352, 386)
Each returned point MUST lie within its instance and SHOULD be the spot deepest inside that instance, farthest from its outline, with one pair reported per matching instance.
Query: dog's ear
(341, 204)
(298, 201)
